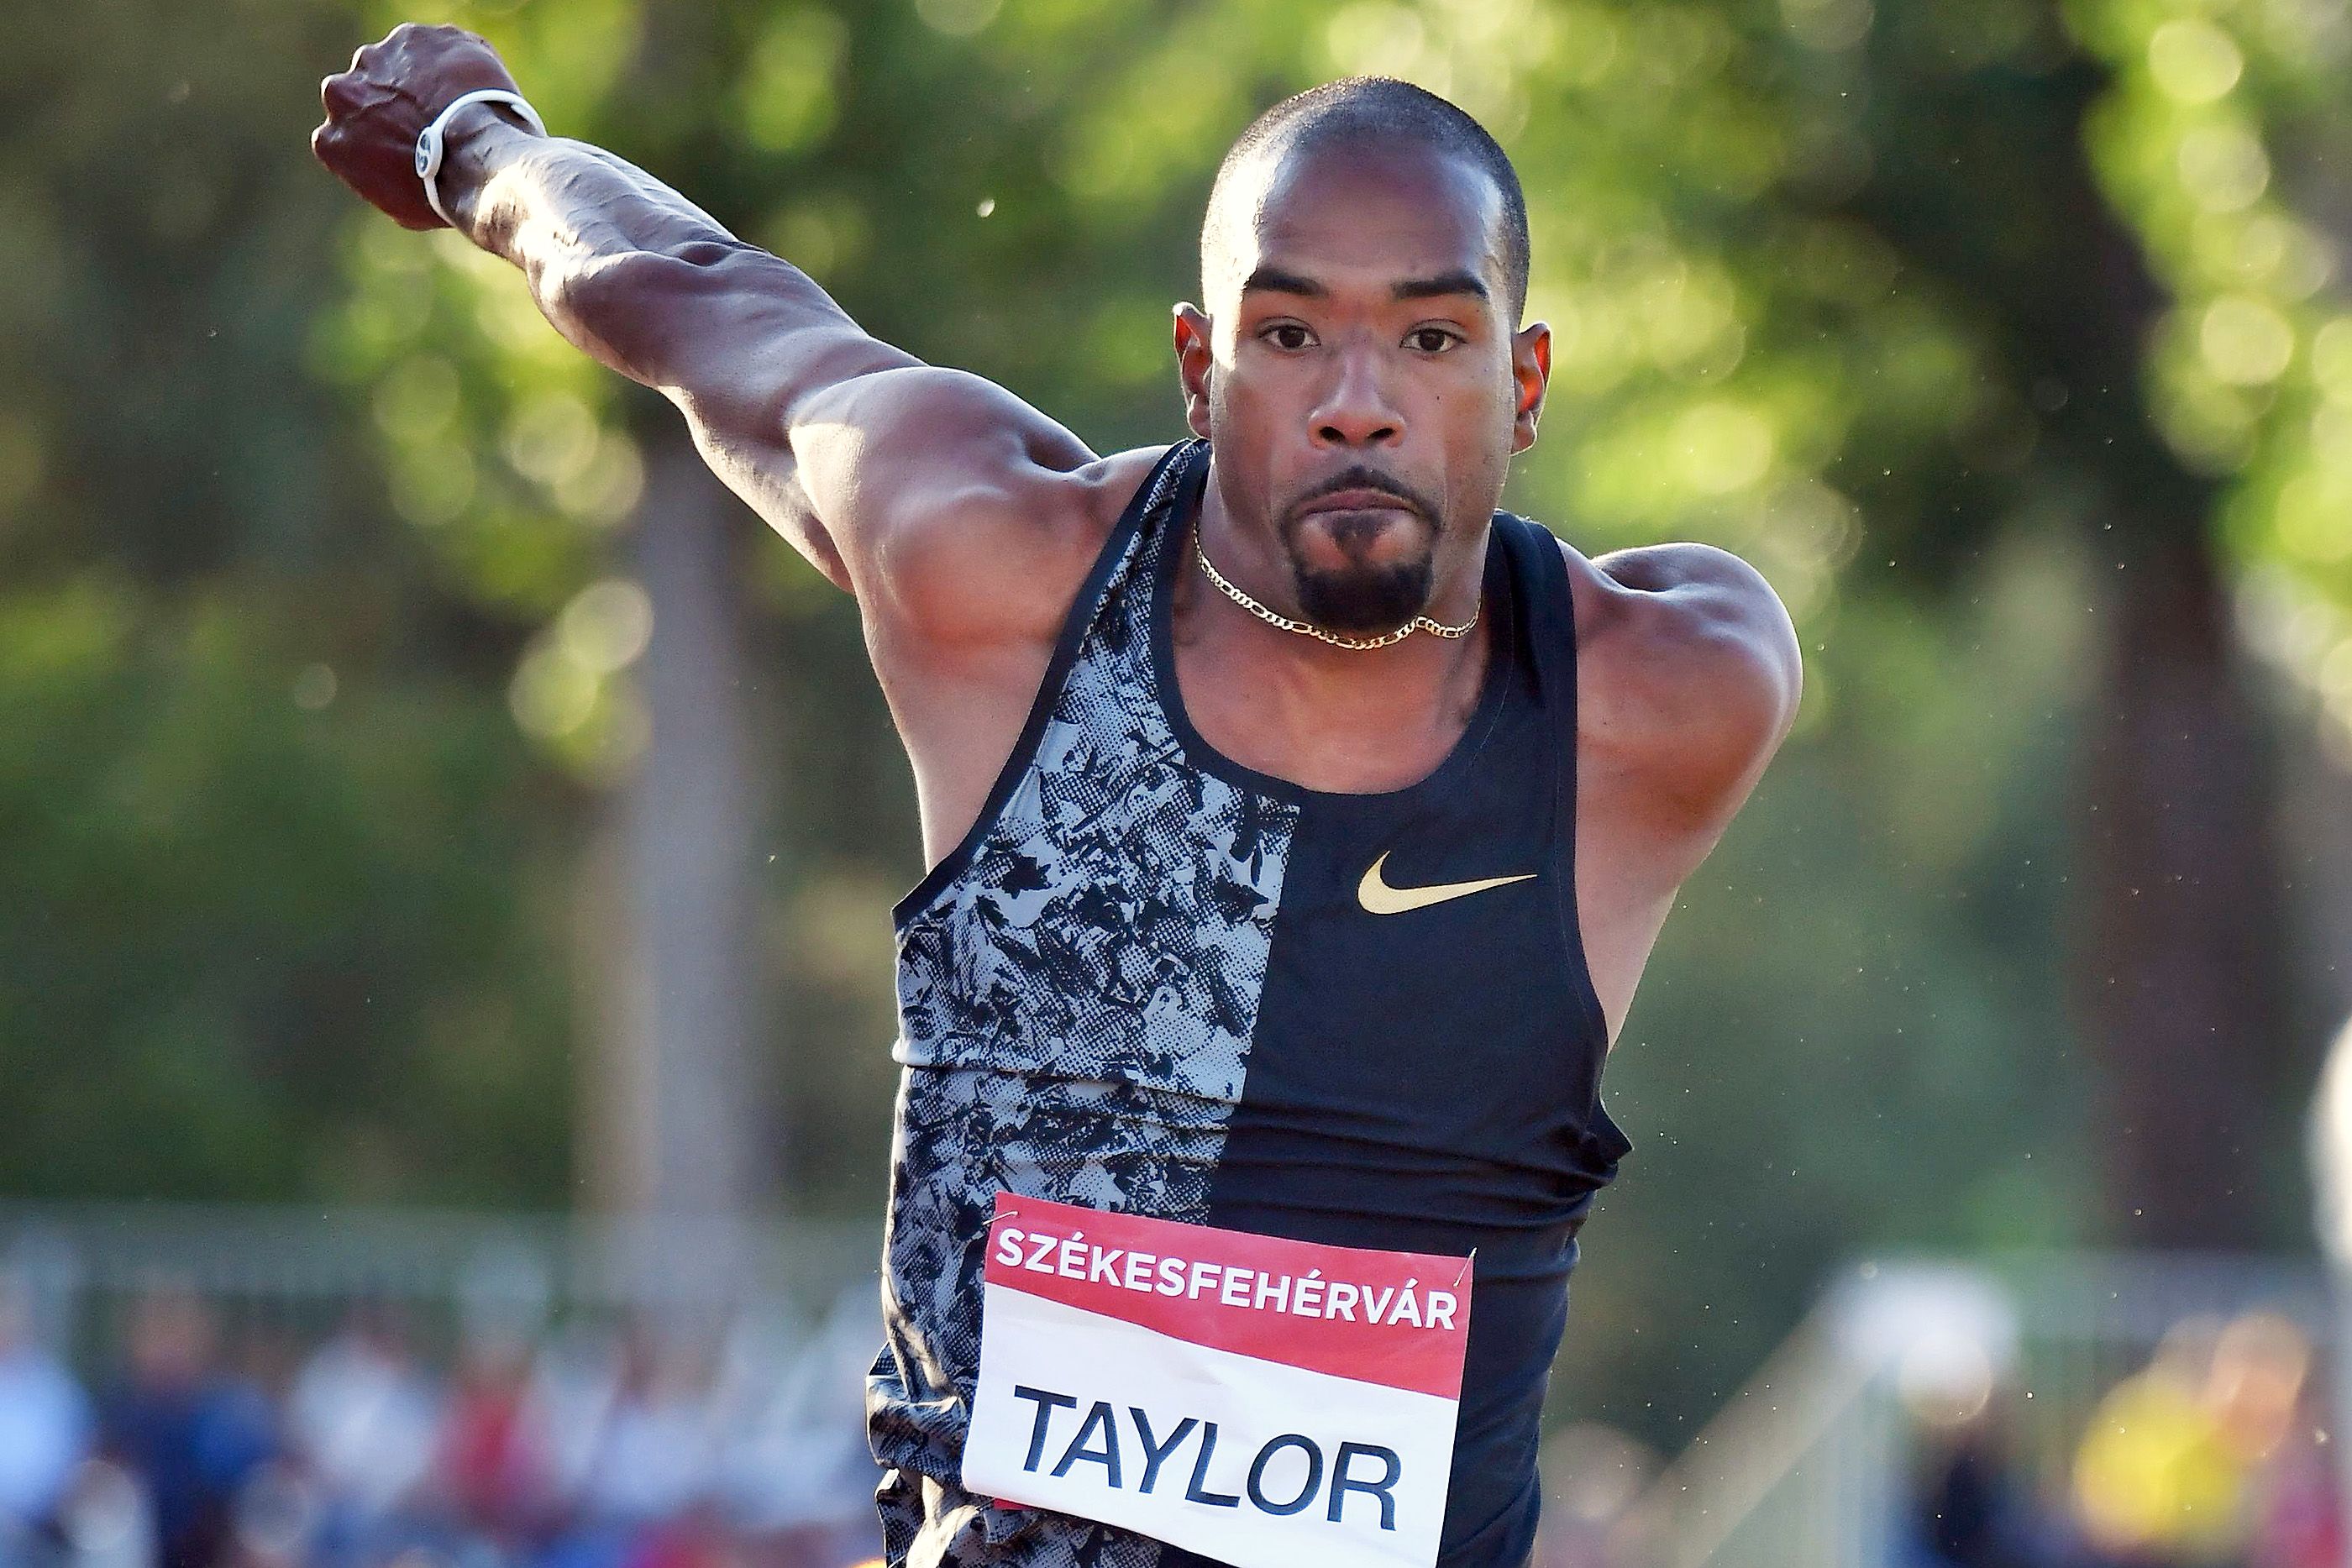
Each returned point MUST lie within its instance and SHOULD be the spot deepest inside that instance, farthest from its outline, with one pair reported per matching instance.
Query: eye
(1433, 339)
(1287, 335)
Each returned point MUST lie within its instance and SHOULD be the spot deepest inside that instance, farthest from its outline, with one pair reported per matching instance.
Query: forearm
(509, 188)
(621, 263)
(627, 269)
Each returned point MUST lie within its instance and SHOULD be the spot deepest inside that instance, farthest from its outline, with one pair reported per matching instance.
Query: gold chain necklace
(1308, 629)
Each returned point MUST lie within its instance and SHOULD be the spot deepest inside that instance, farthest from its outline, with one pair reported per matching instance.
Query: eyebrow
(1275, 280)
(1442, 284)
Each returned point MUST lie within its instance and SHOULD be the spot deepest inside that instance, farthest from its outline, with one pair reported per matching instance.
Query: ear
(1195, 358)
(1530, 375)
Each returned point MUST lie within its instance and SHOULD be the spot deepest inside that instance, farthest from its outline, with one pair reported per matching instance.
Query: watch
(432, 140)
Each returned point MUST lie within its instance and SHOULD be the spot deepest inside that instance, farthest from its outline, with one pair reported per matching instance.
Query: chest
(1341, 731)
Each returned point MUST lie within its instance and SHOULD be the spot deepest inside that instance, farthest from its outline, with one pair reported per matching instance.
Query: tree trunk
(2178, 972)
(2172, 967)
(681, 1120)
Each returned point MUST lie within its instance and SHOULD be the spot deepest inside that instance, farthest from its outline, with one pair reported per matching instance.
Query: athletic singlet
(1149, 981)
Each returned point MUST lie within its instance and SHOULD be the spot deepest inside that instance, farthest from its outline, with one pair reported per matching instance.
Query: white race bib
(1265, 1401)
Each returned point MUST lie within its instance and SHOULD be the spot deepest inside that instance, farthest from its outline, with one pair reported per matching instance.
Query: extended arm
(905, 482)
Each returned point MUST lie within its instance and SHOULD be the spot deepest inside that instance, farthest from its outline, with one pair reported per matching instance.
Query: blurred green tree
(272, 868)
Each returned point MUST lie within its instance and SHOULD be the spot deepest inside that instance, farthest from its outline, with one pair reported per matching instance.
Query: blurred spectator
(735, 1442)
(2301, 1524)
(365, 1421)
(191, 1433)
(651, 1455)
(1971, 1507)
(791, 1463)
(494, 1463)
(1592, 1477)
(2164, 1476)
(2264, 1394)
(635, 1452)
(1968, 1508)
(45, 1423)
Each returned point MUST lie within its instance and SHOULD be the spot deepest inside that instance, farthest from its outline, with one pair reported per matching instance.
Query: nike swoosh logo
(1376, 896)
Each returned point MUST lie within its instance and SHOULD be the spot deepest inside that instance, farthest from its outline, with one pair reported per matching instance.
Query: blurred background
(445, 840)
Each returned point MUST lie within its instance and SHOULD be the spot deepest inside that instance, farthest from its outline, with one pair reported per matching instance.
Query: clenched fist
(375, 110)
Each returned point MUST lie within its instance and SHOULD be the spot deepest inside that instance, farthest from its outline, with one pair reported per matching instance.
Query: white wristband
(430, 141)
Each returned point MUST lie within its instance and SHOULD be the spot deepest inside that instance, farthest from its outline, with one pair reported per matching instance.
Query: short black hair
(1357, 109)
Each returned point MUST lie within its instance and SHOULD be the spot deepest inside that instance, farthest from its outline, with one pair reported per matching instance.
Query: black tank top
(1151, 979)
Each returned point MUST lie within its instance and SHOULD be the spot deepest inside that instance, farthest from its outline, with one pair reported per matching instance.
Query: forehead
(1353, 213)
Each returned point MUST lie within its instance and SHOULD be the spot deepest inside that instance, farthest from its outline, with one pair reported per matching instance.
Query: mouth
(1358, 501)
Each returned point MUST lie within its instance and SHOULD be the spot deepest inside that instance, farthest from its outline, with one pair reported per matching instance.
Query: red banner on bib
(1401, 1319)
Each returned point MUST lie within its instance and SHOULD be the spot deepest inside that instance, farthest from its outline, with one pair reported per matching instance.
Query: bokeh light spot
(2193, 60)
(2223, 168)
(1723, 446)
(2245, 342)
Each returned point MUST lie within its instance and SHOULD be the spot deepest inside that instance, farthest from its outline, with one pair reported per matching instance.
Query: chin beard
(1365, 600)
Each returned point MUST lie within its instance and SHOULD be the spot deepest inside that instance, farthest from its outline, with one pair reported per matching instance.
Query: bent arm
(1706, 674)
(854, 450)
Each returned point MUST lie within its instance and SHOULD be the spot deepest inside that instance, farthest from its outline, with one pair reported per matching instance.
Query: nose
(1355, 410)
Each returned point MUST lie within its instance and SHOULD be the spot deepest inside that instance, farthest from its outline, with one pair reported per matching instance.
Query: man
(1299, 823)
(45, 1425)
(197, 1433)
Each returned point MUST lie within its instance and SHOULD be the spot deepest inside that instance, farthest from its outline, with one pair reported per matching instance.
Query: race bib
(1265, 1401)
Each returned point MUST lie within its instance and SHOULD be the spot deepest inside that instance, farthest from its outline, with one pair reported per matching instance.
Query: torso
(957, 736)
(1154, 978)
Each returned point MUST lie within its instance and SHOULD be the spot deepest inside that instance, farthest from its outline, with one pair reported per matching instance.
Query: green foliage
(2218, 140)
(261, 938)
(272, 866)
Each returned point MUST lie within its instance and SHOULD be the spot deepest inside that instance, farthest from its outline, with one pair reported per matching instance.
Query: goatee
(1363, 597)
(1368, 599)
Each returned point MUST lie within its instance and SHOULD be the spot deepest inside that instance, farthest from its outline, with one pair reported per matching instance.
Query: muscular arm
(847, 445)
(1700, 677)
(945, 503)
(960, 517)
(1687, 680)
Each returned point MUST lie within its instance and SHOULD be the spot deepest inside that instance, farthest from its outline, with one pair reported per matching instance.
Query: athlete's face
(1359, 373)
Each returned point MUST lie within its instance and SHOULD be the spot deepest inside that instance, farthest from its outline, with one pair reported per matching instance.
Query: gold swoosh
(1376, 896)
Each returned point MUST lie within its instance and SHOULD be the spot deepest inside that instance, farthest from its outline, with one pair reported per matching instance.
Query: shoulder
(999, 559)
(1688, 670)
